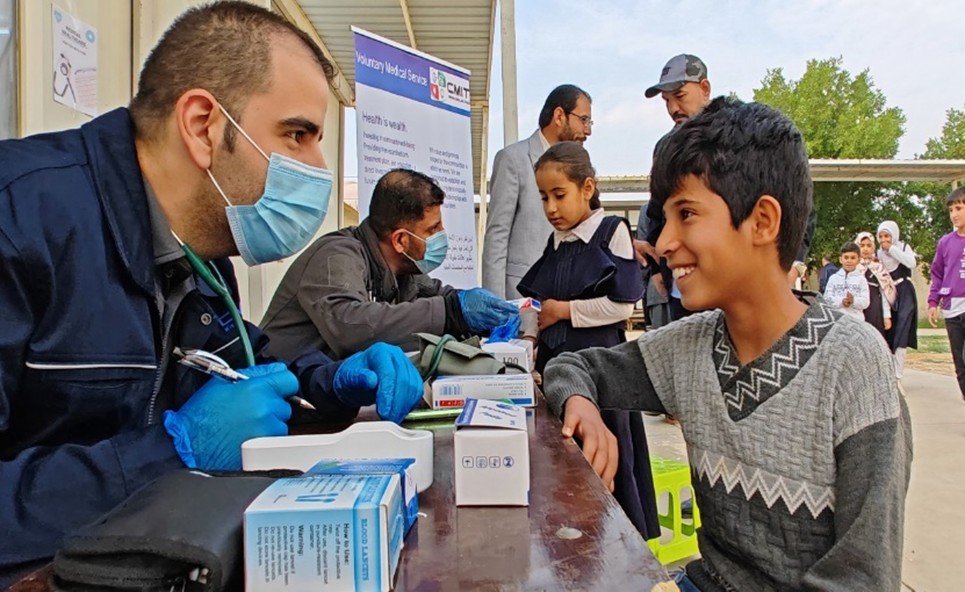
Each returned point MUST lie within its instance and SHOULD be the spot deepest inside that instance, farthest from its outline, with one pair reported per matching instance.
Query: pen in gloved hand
(211, 364)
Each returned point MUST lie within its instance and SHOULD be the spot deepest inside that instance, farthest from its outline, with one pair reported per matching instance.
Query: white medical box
(514, 351)
(339, 533)
(491, 447)
(452, 391)
(361, 440)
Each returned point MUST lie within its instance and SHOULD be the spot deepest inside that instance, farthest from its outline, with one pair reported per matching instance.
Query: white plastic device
(364, 439)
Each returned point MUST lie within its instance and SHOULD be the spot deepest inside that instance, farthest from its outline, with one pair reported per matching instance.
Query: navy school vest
(582, 271)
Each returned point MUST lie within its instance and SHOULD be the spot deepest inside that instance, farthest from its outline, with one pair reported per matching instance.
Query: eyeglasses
(584, 119)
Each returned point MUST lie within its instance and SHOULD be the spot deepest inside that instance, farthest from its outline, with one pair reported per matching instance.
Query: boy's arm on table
(612, 378)
(578, 384)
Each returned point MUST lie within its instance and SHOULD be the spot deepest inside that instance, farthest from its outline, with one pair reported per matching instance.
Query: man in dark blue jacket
(100, 288)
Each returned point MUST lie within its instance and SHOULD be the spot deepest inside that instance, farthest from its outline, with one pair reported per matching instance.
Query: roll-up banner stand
(413, 112)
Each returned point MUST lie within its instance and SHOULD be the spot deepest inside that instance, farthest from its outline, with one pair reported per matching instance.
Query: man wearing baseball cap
(685, 89)
(683, 86)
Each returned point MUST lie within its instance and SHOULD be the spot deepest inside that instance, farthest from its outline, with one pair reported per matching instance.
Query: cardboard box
(491, 447)
(403, 467)
(325, 532)
(452, 391)
(514, 351)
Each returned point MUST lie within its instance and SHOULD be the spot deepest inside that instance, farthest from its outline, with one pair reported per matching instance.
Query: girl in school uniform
(588, 281)
(882, 288)
(899, 260)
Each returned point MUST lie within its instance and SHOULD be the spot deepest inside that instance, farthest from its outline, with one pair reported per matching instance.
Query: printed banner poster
(75, 62)
(412, 111)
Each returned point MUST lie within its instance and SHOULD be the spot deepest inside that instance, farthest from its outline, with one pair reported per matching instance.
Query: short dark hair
(741, 151)
(564, 96)
(222, 47)
(573, 159)
(956, 196)
(850, 247)
(402, 196)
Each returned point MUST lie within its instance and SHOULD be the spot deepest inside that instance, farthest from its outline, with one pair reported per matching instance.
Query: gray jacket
(340, 296)
(516, 228)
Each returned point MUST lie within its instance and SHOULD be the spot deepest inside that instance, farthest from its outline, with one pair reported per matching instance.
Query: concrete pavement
(935, 508)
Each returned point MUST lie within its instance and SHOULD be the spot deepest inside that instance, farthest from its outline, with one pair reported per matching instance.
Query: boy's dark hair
(564, 96)
(850, 247)
(223, 47)
(956, 196)
(741, 151)
(402, 196)
(574, 161)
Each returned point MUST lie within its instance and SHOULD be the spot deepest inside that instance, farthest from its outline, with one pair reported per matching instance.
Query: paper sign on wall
(75, 62)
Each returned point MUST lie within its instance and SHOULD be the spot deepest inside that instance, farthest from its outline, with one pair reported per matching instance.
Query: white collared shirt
(599, 311)
(542, 140)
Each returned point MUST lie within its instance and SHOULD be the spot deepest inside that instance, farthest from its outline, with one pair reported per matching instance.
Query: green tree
(931, 196)
(842, 116)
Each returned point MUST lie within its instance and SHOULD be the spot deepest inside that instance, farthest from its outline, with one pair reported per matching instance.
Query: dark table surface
(573, 536)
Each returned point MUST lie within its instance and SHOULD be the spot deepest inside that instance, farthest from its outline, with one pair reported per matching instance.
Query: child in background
(848, 289)
(587, 281)
(880, 285)
(899, 260)
(948, 283)
(799, 444)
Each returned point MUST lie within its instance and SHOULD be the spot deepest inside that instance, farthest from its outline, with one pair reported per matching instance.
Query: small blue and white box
(325, 532)
(491, 447)
(453, 391)
(389, 466)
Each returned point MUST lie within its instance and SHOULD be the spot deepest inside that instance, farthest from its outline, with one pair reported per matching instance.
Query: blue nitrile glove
(209, 429)
(506, 331)
(483, 310)
(381, 374)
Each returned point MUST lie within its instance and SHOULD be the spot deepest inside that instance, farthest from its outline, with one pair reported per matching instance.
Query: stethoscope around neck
(213, 278)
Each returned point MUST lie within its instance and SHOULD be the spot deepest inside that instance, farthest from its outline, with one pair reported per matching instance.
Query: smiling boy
(799, 445)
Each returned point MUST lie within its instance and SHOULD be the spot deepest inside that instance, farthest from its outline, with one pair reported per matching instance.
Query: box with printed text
(514, 351)
(388, 466)
(491, 447)
(325, 532)
(452, 391)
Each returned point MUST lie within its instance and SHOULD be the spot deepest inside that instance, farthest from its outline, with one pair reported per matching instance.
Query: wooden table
(573, 536)
(503, 549)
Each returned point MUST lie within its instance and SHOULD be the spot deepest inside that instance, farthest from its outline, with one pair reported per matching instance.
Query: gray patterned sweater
(800, 460)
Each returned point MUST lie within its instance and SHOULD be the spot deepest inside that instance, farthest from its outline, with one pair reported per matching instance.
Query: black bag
(181, 532)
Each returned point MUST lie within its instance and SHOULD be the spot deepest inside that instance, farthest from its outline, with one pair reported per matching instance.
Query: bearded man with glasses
(516, 229)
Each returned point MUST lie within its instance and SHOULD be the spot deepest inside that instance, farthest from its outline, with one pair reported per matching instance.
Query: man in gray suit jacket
(517, 229)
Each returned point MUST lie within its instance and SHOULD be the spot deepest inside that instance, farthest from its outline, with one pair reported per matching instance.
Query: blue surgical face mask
(287, 215)
(437, 246)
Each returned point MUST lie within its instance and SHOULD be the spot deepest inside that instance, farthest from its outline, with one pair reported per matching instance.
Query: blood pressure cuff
(182, 531)
(444, 356)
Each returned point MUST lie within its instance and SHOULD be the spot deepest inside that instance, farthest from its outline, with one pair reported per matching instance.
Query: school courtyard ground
(935, 509)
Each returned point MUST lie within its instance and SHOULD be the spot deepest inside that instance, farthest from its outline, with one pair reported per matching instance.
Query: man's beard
(568, 134)
(208, 217)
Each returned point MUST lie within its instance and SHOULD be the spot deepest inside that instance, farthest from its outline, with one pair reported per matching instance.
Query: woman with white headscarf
(899, 260)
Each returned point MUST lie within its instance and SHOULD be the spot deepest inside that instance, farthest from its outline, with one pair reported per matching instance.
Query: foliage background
(845, 116)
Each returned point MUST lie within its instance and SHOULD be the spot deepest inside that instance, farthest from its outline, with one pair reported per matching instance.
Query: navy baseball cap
(678, 71)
